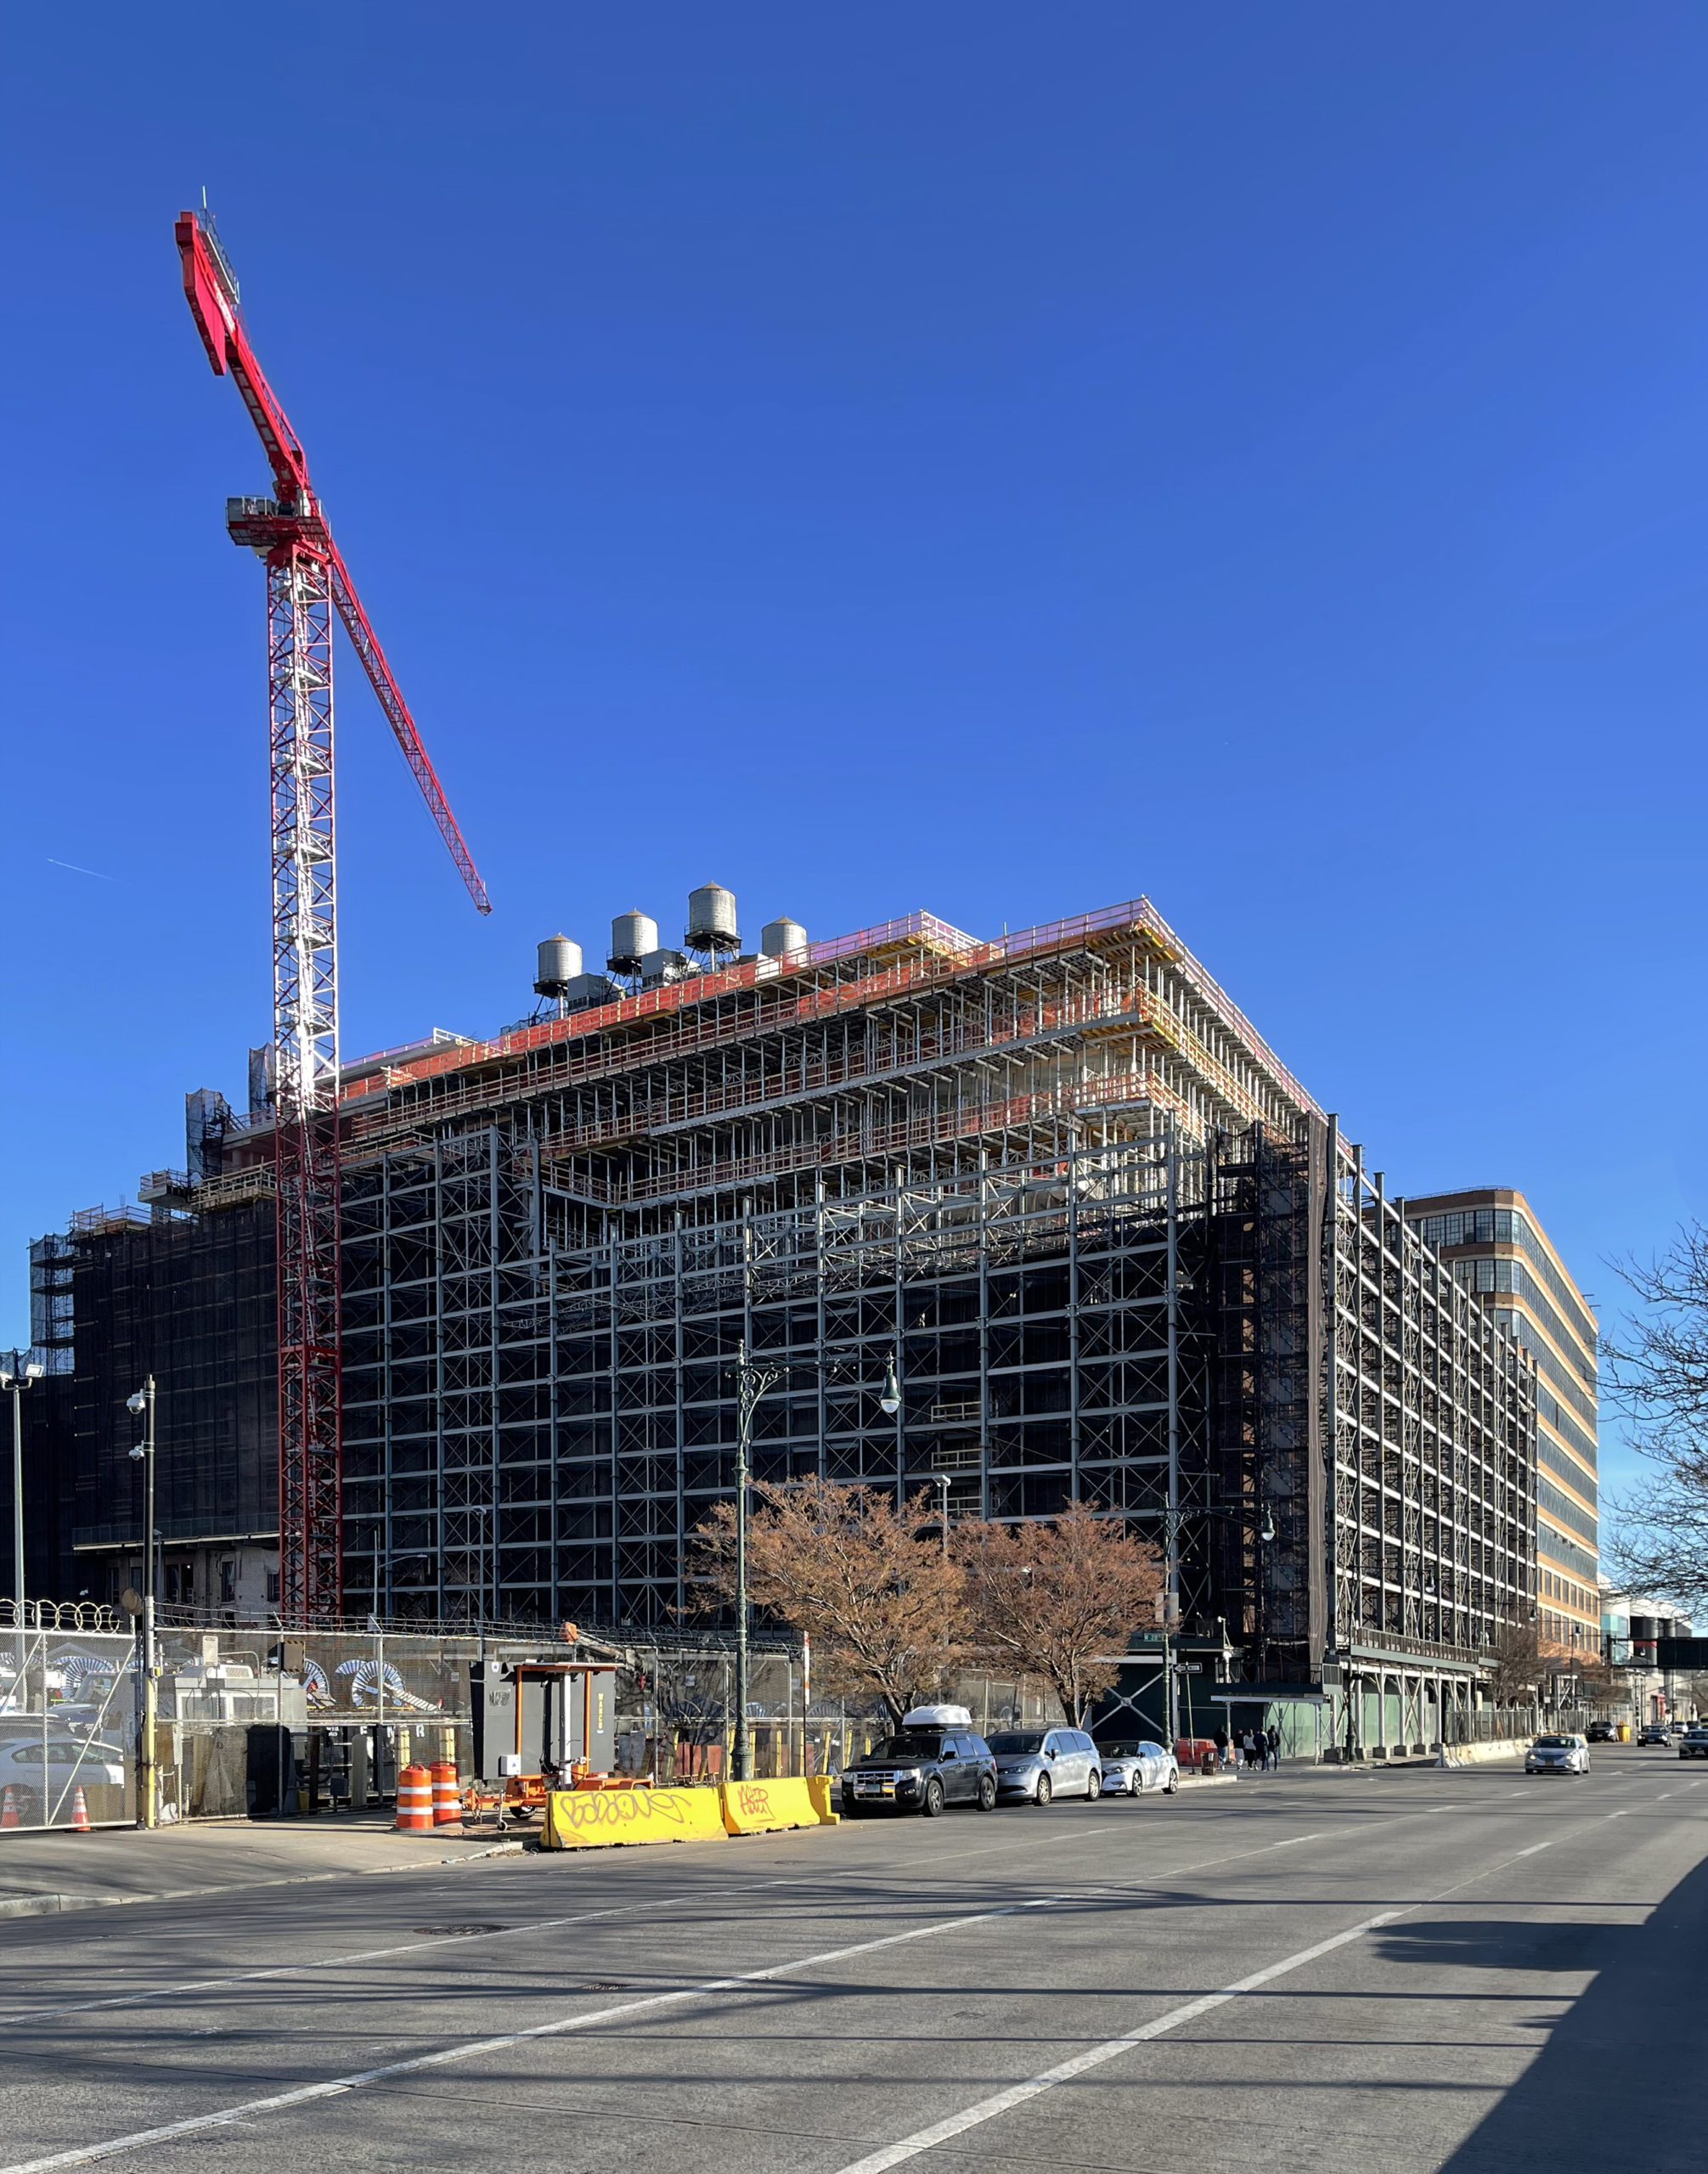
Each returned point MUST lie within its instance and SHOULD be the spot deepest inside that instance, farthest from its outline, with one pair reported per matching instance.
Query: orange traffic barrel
(415, 1800)
(448, 1805)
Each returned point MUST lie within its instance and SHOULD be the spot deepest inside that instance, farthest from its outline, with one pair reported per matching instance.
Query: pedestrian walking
(1274, 1749)
(1219, 1740)
(1249, 1749)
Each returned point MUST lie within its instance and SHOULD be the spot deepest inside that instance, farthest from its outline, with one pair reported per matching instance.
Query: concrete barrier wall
(1479, 1754)
(583, 1819)
(595, 1819)
(764, 1807)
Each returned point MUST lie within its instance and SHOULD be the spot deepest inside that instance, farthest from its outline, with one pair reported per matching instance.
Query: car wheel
(1094, 1786)
(987, 1793)
(1173, 1782)
(1042, 1794)
(934, 1797)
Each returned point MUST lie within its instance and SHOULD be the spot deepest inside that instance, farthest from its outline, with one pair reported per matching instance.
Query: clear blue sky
(984, 458)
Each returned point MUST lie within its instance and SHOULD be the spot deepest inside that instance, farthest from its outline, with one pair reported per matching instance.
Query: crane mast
(307, 583)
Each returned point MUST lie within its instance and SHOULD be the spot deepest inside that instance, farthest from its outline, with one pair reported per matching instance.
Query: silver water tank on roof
(777, 938)
(632, 935)
(560, 962)
(712, 920)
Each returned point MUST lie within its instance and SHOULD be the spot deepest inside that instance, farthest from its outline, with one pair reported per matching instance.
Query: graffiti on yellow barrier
(592, 1818)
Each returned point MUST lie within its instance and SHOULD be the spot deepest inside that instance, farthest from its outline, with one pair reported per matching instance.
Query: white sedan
(1558, 1754)
(1129, 1769)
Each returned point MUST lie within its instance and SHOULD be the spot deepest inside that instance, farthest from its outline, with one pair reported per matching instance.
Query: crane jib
(211, 289)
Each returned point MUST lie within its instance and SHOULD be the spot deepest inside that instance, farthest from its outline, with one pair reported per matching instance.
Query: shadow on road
(1620, 2084)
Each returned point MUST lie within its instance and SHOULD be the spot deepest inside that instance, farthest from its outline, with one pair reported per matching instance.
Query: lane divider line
(307, 2094)
(1003, 2102)
(590, 1917)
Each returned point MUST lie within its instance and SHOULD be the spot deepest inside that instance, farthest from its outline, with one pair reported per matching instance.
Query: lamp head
(34, 1371)
(1265, 1531)
(889, 1401)
(137, 1454)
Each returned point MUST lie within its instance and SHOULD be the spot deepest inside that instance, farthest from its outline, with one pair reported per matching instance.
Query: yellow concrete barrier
(600, 1819)
(763, 1807)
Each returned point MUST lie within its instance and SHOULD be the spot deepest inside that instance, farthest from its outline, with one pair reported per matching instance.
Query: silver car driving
(1038, 1765)
(1130, 1769)
(1558, 1754)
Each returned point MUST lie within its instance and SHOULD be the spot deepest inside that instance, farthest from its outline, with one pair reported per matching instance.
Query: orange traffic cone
(9, 1810)
(80, 1815)
(415, 1800)
(448, 1803)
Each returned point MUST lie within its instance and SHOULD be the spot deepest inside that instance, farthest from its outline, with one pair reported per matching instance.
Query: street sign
(1188, 1668)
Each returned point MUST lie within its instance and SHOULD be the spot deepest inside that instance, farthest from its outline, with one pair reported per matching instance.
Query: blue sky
(995, 459)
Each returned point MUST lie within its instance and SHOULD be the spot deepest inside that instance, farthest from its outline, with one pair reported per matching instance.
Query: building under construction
(1113, 1249)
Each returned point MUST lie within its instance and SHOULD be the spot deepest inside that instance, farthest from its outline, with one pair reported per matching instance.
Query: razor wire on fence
(255, 1720)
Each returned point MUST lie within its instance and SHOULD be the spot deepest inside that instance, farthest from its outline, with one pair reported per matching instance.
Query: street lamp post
(751, 1383)
(148, 1788)
(17, 1374)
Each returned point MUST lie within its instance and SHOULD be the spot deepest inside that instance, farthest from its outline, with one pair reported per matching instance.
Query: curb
(48, 1906)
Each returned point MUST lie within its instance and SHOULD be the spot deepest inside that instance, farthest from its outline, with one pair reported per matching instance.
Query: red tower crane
(307, 582)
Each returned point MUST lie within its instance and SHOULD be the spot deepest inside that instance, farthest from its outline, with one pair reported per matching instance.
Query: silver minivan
(1036, 1764)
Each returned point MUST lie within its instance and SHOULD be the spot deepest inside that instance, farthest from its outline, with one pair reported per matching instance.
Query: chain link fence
(257, 1722)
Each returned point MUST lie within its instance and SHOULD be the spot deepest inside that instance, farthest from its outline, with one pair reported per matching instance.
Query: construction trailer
(1115, 1248)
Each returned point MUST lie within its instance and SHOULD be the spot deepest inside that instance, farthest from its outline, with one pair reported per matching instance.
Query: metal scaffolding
(1119, 1254)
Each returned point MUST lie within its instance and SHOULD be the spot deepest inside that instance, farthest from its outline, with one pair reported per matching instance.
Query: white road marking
(305, 2094)
(896, 2155)
(240, 2115)
(590, 1917)
(1017, 2094)
(370, 1955)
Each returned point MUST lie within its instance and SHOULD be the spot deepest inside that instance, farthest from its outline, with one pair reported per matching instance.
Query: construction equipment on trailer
(306, 583)
(541, 1725)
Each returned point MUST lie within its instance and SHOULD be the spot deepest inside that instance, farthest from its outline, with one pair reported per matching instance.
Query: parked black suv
(922, 1770)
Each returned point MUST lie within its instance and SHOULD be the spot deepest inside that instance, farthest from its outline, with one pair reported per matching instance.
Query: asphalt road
(1333, 1973)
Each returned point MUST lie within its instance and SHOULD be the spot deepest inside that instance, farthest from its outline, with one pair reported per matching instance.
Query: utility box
(542, 1718)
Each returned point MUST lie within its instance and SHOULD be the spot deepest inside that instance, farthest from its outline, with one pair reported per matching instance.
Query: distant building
(1497, 1247)
(1631, 1625)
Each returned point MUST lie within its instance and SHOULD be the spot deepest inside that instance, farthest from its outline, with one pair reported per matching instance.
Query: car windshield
(1017, 1740)
(1553, 1744)
(911, 1744)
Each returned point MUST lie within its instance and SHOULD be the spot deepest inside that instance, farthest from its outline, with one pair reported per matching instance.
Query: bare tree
(1057, 1599)
(1516, 1664)
(886, 1610)
(1658, 1371)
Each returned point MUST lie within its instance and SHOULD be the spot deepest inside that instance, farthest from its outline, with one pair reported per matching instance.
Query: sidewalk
(43, 1874)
